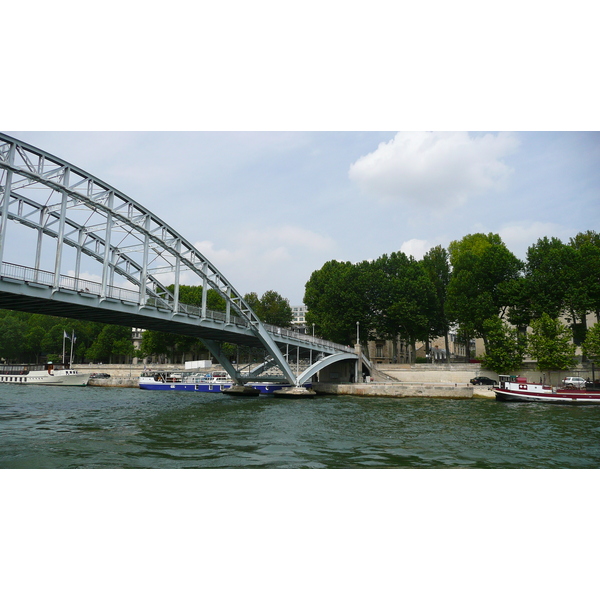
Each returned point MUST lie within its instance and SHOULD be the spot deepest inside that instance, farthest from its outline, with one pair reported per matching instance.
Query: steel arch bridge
(80, 248)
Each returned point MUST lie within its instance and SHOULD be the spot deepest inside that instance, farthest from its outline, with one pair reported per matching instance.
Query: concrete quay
(402, 381)
(405, 390)
(123, 382)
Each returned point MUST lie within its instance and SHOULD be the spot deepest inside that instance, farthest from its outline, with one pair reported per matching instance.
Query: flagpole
(72, 342)
(64, 336)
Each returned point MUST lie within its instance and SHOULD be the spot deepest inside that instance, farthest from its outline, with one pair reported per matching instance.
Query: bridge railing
(290, 333)
(76, 284)
(85, 286)
(189, 309)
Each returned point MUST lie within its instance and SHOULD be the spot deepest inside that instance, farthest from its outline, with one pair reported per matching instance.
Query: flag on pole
(66, 335)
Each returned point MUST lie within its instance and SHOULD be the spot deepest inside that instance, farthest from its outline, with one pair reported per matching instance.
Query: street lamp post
(358, 371)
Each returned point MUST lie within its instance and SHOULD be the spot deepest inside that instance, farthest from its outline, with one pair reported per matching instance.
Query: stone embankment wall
(120, 375)
(404, 390)
(458, 373)
(400, 381)
(114, 382)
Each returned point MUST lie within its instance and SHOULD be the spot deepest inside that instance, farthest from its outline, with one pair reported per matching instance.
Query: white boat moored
(517, 389)
(48, 374)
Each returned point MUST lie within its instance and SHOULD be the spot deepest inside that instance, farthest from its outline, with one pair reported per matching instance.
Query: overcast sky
(268, 209)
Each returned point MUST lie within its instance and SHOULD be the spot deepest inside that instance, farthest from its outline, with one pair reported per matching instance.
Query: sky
(269, 208)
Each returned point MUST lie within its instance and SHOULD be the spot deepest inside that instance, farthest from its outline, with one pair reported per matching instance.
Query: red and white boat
(518, 389)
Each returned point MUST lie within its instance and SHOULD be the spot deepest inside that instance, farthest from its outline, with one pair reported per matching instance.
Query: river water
(108, 428)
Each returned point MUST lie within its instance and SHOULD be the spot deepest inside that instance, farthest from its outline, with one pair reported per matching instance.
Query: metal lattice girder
(109, 211)
(61, 202)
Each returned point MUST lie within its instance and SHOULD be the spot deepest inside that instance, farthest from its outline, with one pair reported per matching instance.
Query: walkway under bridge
(73, 246)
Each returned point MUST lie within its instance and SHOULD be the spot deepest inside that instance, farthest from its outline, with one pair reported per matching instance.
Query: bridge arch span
(92, 226)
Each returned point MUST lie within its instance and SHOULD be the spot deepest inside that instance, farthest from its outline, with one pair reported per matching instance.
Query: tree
(275, 310)
(547, 272)
(589, 245)
(591, 345)
(583, 291)
(336, 298)
(52, 342)
(159, 343)
(33, 342)
(192, 295)
(481, 285)
(506, 348)
(403, 299)
(112, 341)
(437, 266)
(253, 301)
(12, 337)
(550, 344)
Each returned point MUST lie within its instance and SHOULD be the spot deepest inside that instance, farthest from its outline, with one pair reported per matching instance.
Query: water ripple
(126, 428)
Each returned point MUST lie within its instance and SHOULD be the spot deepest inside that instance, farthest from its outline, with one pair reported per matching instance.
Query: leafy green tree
(123, 347)
(403, 299)
(192, 295)
(12, 338)
(52, 342)
(33, 342)
(548, 274)
(275, 309)
(437, 266)
(253, 302)
(336, 298)
(591, 345)
(113, 341)
(583, 291)
(481, 285)
(506, 347)
(550, 344)
(519, 311)
(158, 343)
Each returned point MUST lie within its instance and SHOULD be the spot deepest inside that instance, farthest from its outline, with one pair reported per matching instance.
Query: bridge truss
(93, 253)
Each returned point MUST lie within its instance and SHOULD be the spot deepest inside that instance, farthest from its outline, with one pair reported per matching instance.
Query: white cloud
(272, 241)
(518, 236)
(270, 258)
(415, 248)
(435, 170)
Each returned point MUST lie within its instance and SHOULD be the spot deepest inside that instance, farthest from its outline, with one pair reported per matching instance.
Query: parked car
(574, 382)
(99, 376)
(483, 381)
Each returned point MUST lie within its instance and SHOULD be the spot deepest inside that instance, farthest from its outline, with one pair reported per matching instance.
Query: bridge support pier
(241, 390)
(294, 392)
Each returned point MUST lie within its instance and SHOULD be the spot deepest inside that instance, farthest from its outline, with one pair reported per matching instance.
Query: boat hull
(43, 378)
(206, 387)
(185, 387)
(558, 397)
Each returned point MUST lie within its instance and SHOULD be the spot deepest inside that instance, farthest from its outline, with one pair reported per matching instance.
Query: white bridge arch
(92, 227)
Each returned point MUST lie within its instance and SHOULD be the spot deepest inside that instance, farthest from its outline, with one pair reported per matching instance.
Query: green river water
(108, 428)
